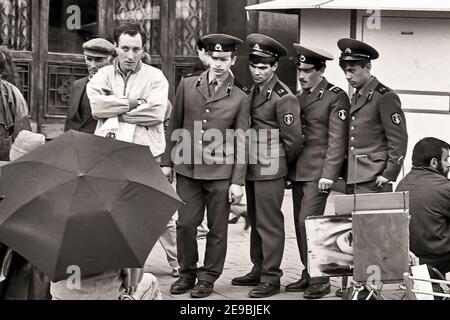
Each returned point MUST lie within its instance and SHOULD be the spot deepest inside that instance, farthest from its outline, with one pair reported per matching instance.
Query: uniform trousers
(308, 202)
(264, 200)
(198, 195)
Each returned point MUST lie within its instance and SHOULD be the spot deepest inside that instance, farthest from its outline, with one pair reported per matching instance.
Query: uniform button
(203, 131)
(207, 110)
(205, 121)
(352, 148)
(353, 118)
(303, 136)
(353, 138)
(352, 128)
(303, 126)
(200, 142)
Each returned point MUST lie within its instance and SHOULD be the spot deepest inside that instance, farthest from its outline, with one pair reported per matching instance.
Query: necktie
(214, 85)
(356, 95)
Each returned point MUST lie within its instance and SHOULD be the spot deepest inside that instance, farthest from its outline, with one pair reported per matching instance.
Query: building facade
(46, 38)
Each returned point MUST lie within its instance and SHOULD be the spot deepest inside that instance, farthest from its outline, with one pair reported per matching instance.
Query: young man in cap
(98, 53)
(325, 109)
(378, 136)
(276, 113)
(206, 105)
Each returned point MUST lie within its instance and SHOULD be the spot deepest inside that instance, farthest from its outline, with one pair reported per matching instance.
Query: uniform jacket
(74, 121)
(110, 93)
(193, 152)
(274, 108)
(325, 125)
(429, 206)
(378, 130)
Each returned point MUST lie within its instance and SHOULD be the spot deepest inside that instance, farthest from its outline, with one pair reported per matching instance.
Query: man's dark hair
(265, 60)
(316, 67)
(201, 45)
(130, 29)
(427, 149)
(362, 63)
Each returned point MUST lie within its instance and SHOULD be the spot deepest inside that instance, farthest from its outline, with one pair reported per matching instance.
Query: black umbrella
(85, 201)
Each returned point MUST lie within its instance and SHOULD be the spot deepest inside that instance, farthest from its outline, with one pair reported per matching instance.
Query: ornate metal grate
(23, 69)
(15, 24)
(60, 79)
(191, 24)
(148, 14)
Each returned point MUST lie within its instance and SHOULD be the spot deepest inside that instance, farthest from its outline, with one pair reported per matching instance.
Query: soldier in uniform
(275, 111)
(325, 109)
(211, 103)
(378, 136)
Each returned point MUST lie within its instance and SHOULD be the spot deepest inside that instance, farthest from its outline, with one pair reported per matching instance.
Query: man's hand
(131, 279)
(325, 185)
(168, 172)
(235, 194)
(381, 181)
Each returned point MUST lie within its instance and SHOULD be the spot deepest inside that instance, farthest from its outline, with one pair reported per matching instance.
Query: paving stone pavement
(238, 262)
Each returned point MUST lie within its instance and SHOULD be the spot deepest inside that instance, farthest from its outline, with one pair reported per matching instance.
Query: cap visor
(261, 54)
(348, 58)
(303, 65)
(220, 54)
(96, 54)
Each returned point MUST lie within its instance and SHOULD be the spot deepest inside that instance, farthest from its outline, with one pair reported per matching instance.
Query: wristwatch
(141, 101)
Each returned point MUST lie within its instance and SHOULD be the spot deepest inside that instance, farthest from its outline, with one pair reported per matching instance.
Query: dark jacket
(227, 109)
(73, 120)
(378, 130)
(274, 108)
(429, 205)
(325, 125)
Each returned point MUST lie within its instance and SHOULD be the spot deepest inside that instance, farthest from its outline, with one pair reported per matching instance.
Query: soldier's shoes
(182, 285)
(247, 280)
(264, 290)
(202, 289)
(317, 291)
(299, 286)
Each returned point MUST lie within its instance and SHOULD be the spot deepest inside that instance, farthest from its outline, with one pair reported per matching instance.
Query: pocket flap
(379, 156)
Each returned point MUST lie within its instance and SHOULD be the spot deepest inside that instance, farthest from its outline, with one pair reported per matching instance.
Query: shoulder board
(334, 89)
(381, 88)
(280, 90)
(190, 75)
(242, 87)
(198, 82)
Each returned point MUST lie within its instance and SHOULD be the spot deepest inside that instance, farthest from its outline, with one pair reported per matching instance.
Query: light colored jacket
(110, 93)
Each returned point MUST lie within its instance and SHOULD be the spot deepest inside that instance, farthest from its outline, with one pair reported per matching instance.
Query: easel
(367, 210)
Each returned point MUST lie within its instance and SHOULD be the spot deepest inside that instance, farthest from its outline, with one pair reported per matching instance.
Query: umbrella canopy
(85, 201)
(292, 6)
